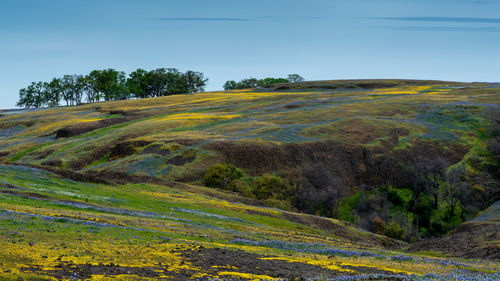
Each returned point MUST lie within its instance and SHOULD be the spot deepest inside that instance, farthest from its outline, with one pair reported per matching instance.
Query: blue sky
(234, 39)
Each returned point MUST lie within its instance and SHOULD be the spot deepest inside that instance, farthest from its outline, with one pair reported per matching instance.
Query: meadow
(114, 190)
(53, 228)
(184, 125)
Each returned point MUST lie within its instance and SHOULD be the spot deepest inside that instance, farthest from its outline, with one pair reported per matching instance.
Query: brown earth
(468, 240)
(354, 163)
(260, 157)
(68, 270)
(253, 263)
(179, 160)
(81, 128)
(125, 149)
(52, 162)
(116, 151)
(156, 149)
(211, 260)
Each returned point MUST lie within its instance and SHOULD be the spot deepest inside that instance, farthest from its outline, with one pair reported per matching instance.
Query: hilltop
(108, 182)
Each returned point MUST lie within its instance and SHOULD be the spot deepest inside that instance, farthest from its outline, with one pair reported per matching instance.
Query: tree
(431, 173)
(268, 82)
(438, 174)
(72, 89)
(26, 98)
(230, 85)
(53, 92)
(196, 81)
(90, 89)
(249, 83)
(456, 191)
(295, 78)
(260, 83)
(138, 84)
(110, 84)
(175, 84)
(158, 82)
(32, 96)
(319, 191)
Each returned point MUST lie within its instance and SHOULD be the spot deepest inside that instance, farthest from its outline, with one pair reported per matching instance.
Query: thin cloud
(233, 19)
(443, 19)
(449, 28)
(292, 18)
(205, 19)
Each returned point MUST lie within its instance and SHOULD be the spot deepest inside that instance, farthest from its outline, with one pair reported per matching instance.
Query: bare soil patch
(69, 270)
(180, 160)
(207, 258)
(52, 162)
(468, 240)
(125, 149)
(84, 127)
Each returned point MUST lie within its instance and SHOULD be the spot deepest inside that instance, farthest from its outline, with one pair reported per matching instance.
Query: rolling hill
(115, 189)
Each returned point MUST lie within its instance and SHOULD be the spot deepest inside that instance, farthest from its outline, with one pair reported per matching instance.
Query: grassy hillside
(53, 228)
(114, 189)
(175, 137)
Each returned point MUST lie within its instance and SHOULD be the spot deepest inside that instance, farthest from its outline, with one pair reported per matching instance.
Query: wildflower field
(53, 228)
(154, 134)
(113, 190)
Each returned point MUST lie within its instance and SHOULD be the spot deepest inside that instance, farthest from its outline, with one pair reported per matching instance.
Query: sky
(456, 40)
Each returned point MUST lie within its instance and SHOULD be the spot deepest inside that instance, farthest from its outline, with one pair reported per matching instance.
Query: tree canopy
(110, 84)
(261, 83)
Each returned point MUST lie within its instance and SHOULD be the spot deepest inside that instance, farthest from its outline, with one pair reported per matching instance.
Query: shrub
(394, 230)
(242, 187)
(378, 225)
(222, 176)
(280, 204)
(268, 186)
(394, 198)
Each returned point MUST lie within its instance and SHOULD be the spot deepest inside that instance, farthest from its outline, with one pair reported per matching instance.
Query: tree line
(110, 84)
(261, 83)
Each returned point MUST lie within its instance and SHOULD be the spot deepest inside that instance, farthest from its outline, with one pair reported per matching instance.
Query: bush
(269, 186)
(395, 231)
(279, 204)
(394, 198)
(242, 187)
(222, 176)
(346, 209)
(378, 225)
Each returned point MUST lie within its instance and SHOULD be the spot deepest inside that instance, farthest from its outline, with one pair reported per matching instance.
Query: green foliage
(394, 230)
(260, 83)
(269, 186)
(223, 176)
(110, 84)
(271, 189)
(280, 204)
(399, 197)
(346, 209)
(33, 96)
(293, 78)
(241, 186)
